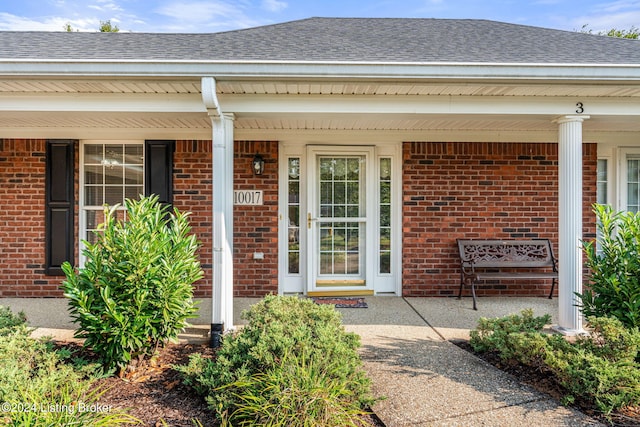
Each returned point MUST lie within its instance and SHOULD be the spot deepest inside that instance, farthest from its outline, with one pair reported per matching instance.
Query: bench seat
(487, 259)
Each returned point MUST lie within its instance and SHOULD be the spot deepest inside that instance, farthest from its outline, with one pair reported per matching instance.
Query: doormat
(341, 302)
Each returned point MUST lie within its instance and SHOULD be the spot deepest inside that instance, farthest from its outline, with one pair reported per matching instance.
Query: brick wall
(192, 191)
(256, 227)
(22, 184)
(479, 190)
(22, 187)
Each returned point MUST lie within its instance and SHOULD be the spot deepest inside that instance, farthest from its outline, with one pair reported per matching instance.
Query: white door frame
(297, 282)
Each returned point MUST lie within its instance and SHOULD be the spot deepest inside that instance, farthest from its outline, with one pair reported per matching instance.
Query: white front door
(339, 230)
(339, 224)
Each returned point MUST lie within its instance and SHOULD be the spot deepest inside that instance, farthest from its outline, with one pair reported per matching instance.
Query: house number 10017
(247, 197)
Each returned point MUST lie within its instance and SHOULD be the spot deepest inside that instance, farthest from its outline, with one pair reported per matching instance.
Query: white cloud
(198, 11)
(274, 5)
(105, 6)
(9, 22)
(621, 15)
(217, 15)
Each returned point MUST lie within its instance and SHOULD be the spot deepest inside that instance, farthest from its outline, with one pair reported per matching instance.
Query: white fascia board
(323, 70)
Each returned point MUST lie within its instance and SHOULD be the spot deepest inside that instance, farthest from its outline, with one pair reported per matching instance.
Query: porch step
(334, 293)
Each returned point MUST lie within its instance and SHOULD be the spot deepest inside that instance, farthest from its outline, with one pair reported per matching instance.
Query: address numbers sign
(247, 197)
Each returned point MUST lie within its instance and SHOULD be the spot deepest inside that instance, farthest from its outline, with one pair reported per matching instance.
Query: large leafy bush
(293, 364)
(135, 290)
(614, 262)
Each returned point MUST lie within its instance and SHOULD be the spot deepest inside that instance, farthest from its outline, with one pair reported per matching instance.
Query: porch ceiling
(195, 124)
(284, 87)
(198, 125)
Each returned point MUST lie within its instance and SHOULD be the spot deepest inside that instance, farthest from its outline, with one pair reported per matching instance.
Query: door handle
(310, 220)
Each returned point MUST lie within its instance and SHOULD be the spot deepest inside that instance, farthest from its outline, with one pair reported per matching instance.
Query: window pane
(133, 154)
(93, 154)
(340, 169)
(93, 175)
(338, 193)
(385, 262)
(385, 239)
(113, 195)
(602, 182)
(133, 192)
(294, 262)
(93, 196)
(294, 192)
(133, 175)
(385, 192)
(385, 216)
(113, 175)
(353, 170)
(293, 229)
(633, 184)
(385, 188)
(114, 154)
(92, 218)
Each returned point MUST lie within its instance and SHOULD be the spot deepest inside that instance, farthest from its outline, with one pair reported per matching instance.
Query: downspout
(222, 140)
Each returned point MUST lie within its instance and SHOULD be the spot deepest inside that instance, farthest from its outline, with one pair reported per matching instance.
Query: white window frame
(82, 225)
(624, 155)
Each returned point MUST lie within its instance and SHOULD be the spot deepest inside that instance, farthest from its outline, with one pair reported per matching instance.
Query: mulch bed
(155, 393)
(545, 382)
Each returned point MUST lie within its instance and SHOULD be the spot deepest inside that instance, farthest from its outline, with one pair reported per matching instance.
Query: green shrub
(38, 390)
(10, 322)
(292, 364)
(494, 334)
(599, 368)
(614, 263)
(135, 291)
(298, 392)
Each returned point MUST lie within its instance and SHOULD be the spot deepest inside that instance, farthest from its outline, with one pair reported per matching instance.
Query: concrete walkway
(427, 380)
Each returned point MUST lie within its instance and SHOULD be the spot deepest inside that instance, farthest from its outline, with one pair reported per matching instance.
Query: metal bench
(482, 260)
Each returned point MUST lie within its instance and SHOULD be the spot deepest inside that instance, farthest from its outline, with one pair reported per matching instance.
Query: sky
(203, 16)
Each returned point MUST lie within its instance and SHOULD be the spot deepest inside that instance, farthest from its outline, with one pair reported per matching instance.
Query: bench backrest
(506, 253)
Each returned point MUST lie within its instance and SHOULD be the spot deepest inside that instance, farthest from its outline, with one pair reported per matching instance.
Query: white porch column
(570, 222)
(222, 135)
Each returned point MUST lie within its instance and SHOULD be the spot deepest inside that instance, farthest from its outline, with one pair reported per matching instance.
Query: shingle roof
(372, 40)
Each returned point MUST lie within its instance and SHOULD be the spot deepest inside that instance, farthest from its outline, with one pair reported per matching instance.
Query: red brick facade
(256, 227)
(479, 190)
(22, 199)
(450, 190)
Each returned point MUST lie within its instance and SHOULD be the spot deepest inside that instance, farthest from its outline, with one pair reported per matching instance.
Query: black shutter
(59, 205)
(158, 170)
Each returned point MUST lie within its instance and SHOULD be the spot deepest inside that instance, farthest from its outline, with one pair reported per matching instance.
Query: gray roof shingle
(371, 40)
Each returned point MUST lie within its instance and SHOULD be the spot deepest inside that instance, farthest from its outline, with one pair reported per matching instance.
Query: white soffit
(275, 87)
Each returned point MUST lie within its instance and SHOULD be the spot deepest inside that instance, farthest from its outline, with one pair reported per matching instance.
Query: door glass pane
(341, 192)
